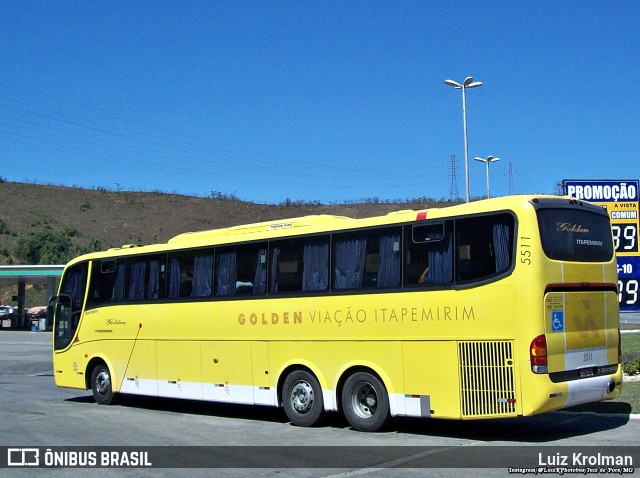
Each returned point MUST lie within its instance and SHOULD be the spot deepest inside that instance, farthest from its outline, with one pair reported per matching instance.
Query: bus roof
(315, 224)
(296, 222)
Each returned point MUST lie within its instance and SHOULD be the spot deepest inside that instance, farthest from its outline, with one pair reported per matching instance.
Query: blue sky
(317, 101)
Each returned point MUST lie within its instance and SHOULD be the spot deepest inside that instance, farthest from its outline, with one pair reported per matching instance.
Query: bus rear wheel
(302, 397)
(365, 402)
(101, 385)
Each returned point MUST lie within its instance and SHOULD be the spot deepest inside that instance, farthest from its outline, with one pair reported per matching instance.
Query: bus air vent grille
(486, 379)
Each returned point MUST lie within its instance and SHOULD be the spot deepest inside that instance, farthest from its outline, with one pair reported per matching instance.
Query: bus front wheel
(101, 385)
(302, 397)
(365, 402)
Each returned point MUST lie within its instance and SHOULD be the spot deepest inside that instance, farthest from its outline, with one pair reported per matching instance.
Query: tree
(559, 190)
(46, 247)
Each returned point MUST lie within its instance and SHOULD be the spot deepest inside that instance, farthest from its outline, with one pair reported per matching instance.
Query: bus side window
(202, 275)
(69, 304)
(286, 271)
(146, 277)
(241, 270)
(136, 273)
(260, 277)
(484, 246)
(226, 273)
(428, 254)
(300, 265)
(190, 274)
(107, 281)
(315, 271)
(366, 259)
(157, 278)
(180, 278)
(74, 284)
(349, 255)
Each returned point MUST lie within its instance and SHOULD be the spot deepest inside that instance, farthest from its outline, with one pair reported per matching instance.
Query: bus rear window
(574, 235)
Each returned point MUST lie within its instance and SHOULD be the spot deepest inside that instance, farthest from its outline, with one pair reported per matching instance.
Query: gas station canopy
(38, 274)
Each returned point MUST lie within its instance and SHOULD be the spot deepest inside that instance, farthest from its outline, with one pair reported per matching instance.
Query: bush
(631, 363)
(69, 231)
(94, 245)
(4, 229)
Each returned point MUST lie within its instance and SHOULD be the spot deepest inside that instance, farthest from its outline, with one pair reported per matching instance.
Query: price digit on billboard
(625, 237)
(620, 199)
(628, 292)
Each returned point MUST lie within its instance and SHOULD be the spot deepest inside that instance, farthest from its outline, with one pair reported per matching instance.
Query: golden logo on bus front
(569, 227)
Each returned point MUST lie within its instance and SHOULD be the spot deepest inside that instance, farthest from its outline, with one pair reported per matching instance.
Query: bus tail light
(538, 354)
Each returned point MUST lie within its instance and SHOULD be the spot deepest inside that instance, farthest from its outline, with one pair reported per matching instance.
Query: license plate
(586, 372)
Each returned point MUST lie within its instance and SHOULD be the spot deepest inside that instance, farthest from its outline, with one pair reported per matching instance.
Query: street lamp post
(490, 159)
(468, 83)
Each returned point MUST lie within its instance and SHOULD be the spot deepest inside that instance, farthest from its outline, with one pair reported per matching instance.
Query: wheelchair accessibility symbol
(557, 321)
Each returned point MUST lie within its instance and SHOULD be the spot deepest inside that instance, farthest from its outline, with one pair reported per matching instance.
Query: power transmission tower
(453, 177)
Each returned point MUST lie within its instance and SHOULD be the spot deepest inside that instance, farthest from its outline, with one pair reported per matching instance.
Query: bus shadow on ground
(195, 407)
(548, 427)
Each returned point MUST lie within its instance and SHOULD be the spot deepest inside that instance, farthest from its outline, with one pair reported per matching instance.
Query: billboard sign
(621, 199)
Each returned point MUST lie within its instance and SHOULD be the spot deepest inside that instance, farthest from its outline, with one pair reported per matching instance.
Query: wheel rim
(364, 400)
(302, 397)
(103, 382)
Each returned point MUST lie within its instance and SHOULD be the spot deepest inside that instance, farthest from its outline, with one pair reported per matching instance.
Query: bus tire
(101, 385)
(302, 399)
(365, 402)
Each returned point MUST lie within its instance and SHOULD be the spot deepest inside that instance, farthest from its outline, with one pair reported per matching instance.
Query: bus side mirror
(60, 309)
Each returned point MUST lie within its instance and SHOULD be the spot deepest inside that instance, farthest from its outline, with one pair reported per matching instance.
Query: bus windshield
(575, 235)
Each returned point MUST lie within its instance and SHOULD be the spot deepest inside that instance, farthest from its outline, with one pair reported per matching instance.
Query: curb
(630, 416)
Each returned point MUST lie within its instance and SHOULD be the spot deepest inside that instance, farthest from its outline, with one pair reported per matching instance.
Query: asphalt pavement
(630, 317)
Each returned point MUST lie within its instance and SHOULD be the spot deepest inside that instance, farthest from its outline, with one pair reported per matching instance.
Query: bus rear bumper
(545, 395)
(593, 389)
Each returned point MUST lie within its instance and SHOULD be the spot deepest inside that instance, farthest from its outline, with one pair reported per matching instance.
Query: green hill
(91, 219)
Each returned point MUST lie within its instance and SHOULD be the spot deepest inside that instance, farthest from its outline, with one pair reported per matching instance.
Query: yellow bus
(499, 308)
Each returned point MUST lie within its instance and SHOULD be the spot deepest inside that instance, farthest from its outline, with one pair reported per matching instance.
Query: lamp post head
(490, 159)
(469, 83)
(455, 84)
